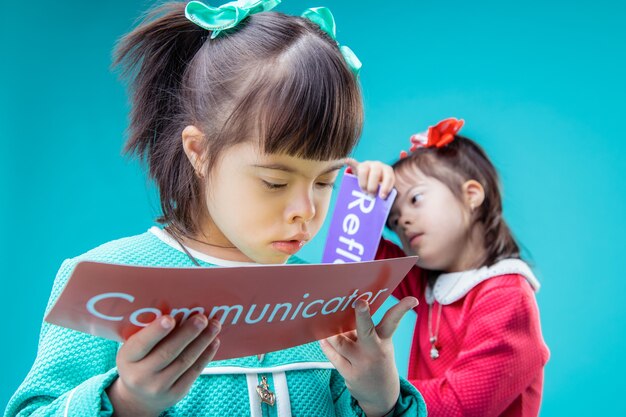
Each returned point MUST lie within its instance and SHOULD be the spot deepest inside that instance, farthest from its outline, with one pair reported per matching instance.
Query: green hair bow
(227, 16)
(325, 20)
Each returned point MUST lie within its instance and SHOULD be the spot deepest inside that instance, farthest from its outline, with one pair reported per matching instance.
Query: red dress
(492, 353)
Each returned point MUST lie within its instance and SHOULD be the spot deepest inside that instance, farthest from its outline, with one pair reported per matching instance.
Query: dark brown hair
(459, 161)
(274, 78)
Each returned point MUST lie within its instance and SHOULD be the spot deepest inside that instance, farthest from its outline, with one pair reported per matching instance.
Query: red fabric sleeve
(412, 284)
(503, 352)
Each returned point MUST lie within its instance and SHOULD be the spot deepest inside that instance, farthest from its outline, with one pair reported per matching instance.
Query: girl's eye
(417, 197)
(272, 185)
(328, 185)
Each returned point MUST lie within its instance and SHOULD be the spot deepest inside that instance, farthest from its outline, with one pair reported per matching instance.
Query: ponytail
(473, 163)
(499, 241)
(153, 59)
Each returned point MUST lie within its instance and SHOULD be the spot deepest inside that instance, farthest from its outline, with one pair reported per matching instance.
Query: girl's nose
(301, 209)
(404, 220)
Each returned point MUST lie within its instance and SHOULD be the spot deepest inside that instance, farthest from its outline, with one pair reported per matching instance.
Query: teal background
(540, 85)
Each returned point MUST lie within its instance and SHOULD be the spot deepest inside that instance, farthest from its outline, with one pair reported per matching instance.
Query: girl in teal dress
(243, 117)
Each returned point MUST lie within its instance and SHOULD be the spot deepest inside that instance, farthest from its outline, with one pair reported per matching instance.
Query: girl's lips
(289, 247)
(413, 240)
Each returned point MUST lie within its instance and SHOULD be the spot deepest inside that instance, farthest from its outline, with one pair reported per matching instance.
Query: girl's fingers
(365, 328)
(352, 163)
(350, 335)
(188, 377)
(374, 179)
(344, 344)
(190, 355)
(172, 346)
(387, 183)
(139, 345)
(363, 175)
(341, 363)
(392, 317)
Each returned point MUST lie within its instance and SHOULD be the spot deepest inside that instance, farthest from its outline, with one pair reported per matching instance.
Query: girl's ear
(473, 194)
(193, 144)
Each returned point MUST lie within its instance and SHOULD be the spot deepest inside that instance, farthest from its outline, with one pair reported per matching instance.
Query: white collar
(169, 240)
(453, 286)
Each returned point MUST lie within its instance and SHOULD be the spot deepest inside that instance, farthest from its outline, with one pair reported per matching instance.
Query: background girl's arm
(413, 284)
(503, 351)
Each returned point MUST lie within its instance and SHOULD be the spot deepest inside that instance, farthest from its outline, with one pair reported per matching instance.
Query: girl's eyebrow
(285, 168)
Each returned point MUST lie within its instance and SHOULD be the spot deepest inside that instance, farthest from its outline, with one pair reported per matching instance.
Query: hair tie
(436, 136)
(226, 16)
(322, 17)
(229, 15)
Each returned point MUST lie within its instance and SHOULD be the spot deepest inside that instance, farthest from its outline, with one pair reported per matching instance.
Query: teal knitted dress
(72, 369)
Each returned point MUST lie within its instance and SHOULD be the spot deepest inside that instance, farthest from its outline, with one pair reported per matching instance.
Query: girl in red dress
(477, 348)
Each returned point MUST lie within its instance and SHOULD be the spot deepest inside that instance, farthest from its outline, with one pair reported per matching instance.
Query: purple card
(357, 224)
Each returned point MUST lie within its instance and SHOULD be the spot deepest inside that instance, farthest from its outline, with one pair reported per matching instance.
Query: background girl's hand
(371, 175)
(365, 357)
(158, 364)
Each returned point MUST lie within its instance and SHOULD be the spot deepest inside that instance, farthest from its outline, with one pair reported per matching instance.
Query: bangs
(308, 105)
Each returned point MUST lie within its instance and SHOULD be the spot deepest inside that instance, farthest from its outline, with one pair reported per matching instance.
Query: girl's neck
(229, 253)
(210, 241)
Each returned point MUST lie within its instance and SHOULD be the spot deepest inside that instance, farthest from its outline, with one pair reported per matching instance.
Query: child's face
(267, 206)
(431, 222)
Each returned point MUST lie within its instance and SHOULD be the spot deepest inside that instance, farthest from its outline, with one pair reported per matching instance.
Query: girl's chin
(427, 262)
(271, 258)
(410, 251)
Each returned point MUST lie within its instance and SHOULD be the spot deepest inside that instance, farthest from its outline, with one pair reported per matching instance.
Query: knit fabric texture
(72, 370)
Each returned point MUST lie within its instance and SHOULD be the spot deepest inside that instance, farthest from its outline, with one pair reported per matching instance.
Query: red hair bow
(436, 136)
